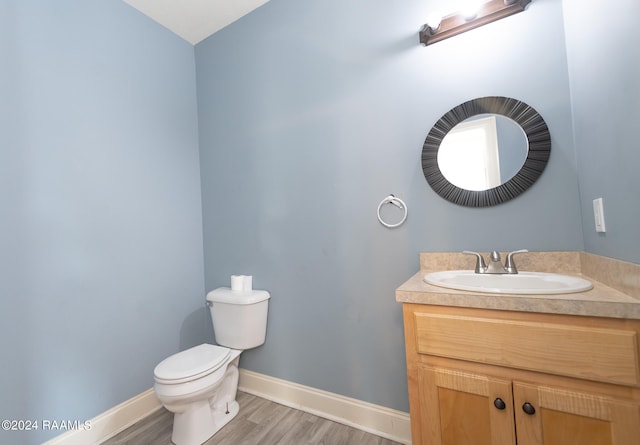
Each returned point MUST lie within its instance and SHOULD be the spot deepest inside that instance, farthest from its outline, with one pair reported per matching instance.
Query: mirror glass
(486, 151)
(483, 152)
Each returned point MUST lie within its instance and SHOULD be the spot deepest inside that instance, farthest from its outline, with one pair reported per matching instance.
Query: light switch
(598, 213)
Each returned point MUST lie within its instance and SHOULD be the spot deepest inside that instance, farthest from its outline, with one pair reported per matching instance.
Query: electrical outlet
(598, 213)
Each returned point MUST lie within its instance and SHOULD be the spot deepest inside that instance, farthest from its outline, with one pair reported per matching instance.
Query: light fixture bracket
(456, 23)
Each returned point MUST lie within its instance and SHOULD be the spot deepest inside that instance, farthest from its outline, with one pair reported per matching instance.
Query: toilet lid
(191, 363)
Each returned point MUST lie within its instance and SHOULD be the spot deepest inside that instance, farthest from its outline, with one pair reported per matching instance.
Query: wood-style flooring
(259, 422)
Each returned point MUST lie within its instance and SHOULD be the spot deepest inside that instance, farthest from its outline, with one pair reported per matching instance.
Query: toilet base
(195, 427)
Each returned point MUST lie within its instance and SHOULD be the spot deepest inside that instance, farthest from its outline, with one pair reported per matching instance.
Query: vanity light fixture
(440, 28)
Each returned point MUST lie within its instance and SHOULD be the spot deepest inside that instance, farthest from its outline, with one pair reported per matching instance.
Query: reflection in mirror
(482, 152)
(505, 171)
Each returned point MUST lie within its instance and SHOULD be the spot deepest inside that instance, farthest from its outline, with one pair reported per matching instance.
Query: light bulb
(470, 9)
(434, 20)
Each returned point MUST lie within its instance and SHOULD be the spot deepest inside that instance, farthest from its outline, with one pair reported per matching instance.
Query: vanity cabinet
(479, 376)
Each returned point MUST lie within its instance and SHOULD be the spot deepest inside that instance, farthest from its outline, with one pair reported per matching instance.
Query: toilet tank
(239, 318)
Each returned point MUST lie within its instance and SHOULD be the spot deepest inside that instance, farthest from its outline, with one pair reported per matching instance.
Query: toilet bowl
(199, 384)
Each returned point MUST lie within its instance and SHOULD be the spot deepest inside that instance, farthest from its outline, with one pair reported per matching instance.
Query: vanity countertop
(601, 301)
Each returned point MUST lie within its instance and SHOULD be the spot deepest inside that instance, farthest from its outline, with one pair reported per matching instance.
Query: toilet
(199, 384)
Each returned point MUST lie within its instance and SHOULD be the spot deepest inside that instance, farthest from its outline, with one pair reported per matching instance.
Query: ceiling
(195, 20)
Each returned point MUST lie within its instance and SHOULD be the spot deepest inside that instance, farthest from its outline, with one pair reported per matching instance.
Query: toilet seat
(191, 364)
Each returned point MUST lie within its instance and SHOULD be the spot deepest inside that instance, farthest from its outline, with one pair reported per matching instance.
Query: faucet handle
(509, 265)
(481, 267)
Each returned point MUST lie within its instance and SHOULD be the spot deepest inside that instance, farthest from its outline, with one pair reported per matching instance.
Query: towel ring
(396, 202)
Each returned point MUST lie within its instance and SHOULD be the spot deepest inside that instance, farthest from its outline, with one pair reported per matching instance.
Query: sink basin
(520, 283)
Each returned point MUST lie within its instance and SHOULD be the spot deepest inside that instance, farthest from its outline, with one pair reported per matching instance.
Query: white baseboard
(375, 419)
(111, 422)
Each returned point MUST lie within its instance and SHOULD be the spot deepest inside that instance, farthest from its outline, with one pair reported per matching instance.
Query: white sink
(520, 283)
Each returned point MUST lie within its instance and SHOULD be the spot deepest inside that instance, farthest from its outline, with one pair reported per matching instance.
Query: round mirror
(486, 151)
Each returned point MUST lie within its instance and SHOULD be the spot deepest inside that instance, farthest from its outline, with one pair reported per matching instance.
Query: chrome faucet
(495, 265)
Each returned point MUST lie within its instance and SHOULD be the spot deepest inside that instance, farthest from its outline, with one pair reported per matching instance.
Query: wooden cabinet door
(465, 409)
(561, 417)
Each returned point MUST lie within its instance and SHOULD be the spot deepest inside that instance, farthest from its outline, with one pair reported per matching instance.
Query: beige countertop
(601, 301)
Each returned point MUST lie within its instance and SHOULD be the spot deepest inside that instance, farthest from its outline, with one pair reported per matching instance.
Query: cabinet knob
(528, 408)
(499, 403)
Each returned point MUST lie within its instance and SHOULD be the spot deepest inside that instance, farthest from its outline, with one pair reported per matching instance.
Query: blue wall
(310, 113)
(101, 264)
(604, 68)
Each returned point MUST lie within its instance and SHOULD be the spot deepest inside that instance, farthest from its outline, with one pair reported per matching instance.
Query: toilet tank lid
(226, 295)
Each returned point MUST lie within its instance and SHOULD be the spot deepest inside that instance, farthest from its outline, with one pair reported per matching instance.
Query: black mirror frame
(537, 134)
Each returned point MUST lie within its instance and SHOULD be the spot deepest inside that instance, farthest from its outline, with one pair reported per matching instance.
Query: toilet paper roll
(242, 283)
(237, 283)
(247, 285)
